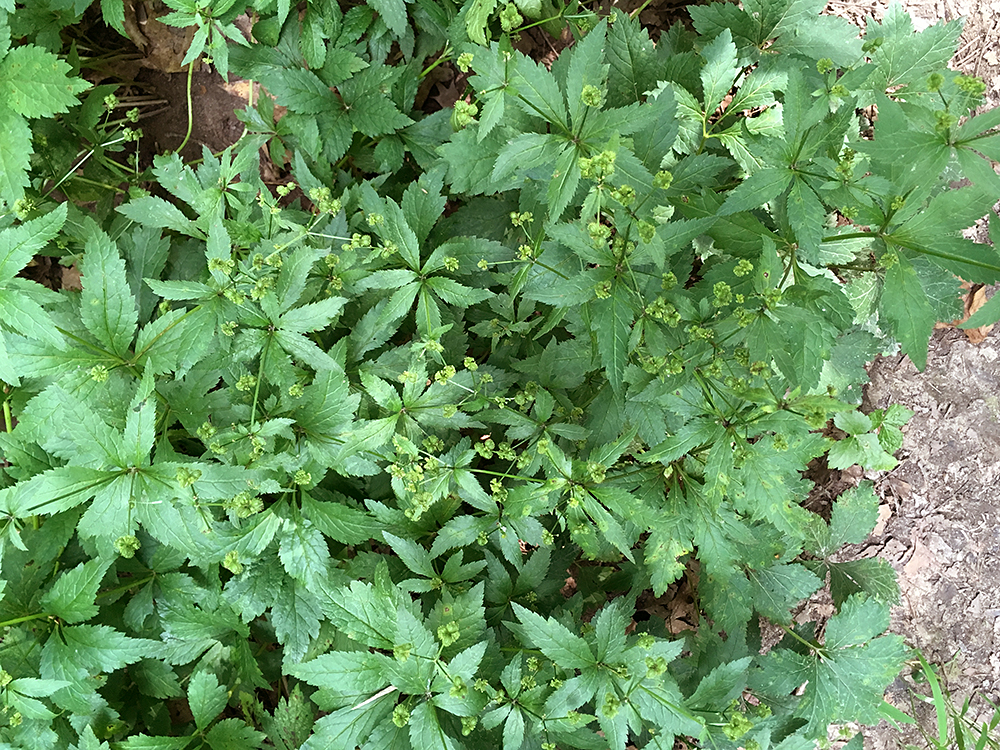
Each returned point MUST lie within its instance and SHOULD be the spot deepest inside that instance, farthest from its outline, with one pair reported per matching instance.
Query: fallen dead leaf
(920, 559)
(884, 514)
(974, 298)
(71, 279)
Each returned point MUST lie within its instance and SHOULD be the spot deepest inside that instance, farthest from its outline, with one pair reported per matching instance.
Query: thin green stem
(8, 419)
(808, 644)
(635, 13)
(190, 109)
(443, 57)
(26, 618)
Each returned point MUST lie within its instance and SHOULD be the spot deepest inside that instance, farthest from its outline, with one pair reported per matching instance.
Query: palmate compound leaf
(848, 674)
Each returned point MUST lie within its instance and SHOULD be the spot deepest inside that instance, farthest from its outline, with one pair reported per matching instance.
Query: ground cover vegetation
(386, 457)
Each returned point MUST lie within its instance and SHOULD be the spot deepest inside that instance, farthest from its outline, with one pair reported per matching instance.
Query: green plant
(953, 726)
(391, 464)
(34, 83)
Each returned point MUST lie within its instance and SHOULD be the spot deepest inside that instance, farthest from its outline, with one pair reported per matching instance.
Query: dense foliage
(391, 456)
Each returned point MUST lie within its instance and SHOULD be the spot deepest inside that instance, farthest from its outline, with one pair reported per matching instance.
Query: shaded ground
(942, 523)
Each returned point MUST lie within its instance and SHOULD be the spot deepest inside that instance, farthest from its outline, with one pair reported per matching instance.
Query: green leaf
(586, 68)
(55, 490)
(339, 521)
(107, 518)
(808, 215)
(19, 244)
(206, 698)
(612, 326)
(825, 36)
(89, 741)
(565, 178)
(539, 94)
(778, 588)
(415, 557)
(720, 70)
(567, 650)
(296, 615)
(292, 721)
(630, 55)
(905, 57)
(302, 91)
(151, 211)
(853, 517)
(346, 677)
(15, 155)
(904, 304)
(360, 611)
(663, 553)
(312, 317)
(426, 730)
(349, 727)
(759, 188)
(34, 83)
(873, 576)
(72, 597)
(393, 12)
(477, 16)
(720, 686)
(113, 12)
(230, 734)
(456, 294)
(854, 672)
(175, 341)
(145, 742)
(303, 553)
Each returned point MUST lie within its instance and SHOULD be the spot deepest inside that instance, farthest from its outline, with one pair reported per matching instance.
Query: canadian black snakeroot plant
(316, 474)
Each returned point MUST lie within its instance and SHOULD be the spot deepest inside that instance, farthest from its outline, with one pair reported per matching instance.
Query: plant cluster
(386, 457)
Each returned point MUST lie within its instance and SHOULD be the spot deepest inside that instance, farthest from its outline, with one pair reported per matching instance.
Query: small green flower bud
(185, 477)
(448, 634)
(463, 114)
(591, 96)
(400, 716)
(127, 545)
(246, 383)
(510, 18)
(232, 563)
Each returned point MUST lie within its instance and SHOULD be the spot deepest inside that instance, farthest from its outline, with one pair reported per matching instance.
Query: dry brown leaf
(974, 298)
